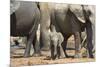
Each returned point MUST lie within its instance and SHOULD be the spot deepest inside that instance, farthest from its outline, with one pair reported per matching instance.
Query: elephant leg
(32, 35)
(36, 46)
(45, 41)
(45, 26)
(13, 24)
(89, 39)
(28, 47)
(53, 56)
(52, 51)
(77, 44)
(64, 44)
(60, 52)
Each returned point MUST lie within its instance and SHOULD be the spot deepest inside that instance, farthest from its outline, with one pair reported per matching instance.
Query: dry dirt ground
(17, 59)
(16, 62)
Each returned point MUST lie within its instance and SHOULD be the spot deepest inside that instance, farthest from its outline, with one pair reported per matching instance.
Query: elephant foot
(36, 54)
(51, 58)
(54, 57)
(91, 56)
(78, 56)
(45, 49)
(61, 57)
(45, 53)
(26, 55)
(66, 55)
(47, 58)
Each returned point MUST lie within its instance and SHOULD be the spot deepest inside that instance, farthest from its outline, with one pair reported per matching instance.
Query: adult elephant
(24, 22)
(62, 16)
(68, 24)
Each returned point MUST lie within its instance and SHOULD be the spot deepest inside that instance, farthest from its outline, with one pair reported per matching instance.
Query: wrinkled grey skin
(65, 21)
(55, 44)
(24, 22)
(68, 26)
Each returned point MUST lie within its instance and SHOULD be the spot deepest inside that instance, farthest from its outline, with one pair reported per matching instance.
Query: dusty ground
(15, 62)
(18, 60)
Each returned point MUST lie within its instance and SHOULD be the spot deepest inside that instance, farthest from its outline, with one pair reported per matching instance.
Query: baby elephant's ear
(50, 35)
(61, 38)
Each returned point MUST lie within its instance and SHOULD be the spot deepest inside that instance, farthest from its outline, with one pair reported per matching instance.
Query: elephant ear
(77, 10)
(60, 36)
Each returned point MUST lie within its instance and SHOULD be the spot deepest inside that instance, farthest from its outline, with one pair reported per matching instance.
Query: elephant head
(54, 44)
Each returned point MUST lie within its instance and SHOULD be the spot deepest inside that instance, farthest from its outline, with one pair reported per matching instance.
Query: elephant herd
(48, 26)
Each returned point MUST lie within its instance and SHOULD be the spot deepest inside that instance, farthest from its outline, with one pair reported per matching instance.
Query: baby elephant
(56, 48)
